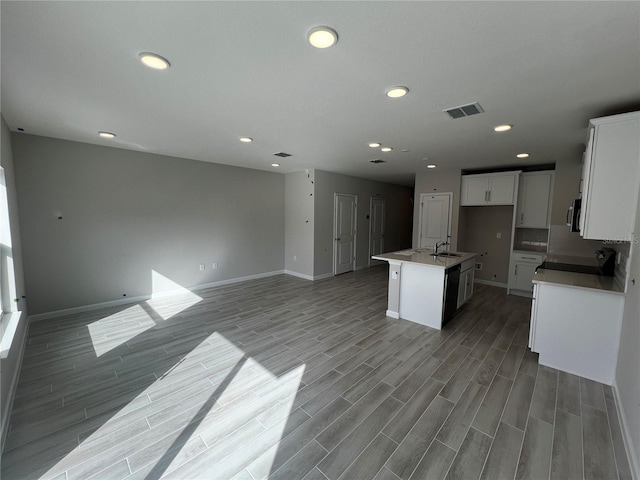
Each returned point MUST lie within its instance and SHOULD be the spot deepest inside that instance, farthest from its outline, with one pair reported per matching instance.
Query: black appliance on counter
(606, 264)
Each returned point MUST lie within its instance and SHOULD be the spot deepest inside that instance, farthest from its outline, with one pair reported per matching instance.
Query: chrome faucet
(438, 245)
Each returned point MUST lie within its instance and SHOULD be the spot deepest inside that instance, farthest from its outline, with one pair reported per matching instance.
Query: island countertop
(423, 256)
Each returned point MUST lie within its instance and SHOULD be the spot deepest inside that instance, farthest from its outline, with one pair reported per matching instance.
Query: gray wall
(438, 180)
(10, 365)
(126, 214)
(398, 225)
(481, 224)
(299, 223)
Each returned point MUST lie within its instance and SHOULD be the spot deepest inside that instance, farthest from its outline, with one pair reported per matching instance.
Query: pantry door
(435, 218)
(344, 251)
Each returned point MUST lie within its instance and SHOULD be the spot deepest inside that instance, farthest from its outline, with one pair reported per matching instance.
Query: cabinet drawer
(528, 257)
(468, 264)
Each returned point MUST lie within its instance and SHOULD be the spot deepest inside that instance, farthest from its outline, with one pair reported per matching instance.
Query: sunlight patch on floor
(112, 331)
(199, 414)
(169, 298)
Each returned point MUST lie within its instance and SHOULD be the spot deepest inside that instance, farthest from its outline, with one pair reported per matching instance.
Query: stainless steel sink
(449, 254)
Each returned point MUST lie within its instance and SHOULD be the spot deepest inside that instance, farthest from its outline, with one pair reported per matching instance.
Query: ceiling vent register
(464, 110)
(282, 154)
(377, 160)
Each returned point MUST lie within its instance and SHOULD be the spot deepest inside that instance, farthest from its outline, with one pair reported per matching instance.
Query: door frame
(335, 229)
(371, 199)
(435, 194)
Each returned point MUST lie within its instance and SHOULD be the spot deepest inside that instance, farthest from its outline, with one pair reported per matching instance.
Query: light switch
(498, 235)
(394, 275)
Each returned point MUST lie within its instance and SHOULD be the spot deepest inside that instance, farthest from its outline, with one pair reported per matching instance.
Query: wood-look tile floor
(283, 378)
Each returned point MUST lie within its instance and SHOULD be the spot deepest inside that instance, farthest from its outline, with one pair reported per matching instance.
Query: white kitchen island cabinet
(576, 321)
(420, 285)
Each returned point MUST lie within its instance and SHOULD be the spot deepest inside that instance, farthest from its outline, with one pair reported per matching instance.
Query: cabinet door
(533, 203)
(502, 189)
(474, 190)
(524, 273)
(610, 196)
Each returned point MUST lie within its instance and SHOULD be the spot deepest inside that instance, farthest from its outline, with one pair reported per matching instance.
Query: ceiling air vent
(282, 154)
(464, 110)
(377, 160)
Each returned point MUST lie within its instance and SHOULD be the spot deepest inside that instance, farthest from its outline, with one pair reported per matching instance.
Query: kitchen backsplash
(564, 242)
(531, 239)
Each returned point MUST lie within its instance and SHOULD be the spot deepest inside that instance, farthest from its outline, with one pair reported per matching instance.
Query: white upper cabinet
(489, 189)
(610, 177)
(534, 199)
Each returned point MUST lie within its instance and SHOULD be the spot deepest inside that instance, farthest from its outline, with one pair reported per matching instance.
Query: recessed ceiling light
(386, 149)
(154, 61)
(503, 128)
(375, 144)
(107, 134)
(396, 92)
(431, 165)
(275, 164)
(246, 139)
(522, 155)
(322, 37)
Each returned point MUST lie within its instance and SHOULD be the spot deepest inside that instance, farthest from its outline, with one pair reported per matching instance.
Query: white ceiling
(70, 69)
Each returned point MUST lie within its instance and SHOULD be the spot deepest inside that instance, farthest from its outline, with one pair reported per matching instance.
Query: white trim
(10, 322)
(634, 465)
(391, 314)
(6, 409)
(142, 298)
(490, 283)
(362, 267)
(299, 275)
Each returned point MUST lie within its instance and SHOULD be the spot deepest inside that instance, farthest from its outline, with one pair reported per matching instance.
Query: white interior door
(344, 252)
(376, 228)
(435, 218)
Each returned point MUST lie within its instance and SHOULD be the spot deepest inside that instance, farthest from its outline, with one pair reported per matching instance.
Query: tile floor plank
(219, 390)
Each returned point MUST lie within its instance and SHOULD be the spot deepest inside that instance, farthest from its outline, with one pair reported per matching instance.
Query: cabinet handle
(516, 270)
(528, 258)
(522, 218)
(489, 195)
(485, 196)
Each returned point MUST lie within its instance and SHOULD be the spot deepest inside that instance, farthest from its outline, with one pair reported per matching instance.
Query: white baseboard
(6, 409)
(632, 456)
(142, 298)
(299, 275)
(392, 314)
(490, 283)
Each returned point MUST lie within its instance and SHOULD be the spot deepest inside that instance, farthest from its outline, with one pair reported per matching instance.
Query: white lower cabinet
(577, 330)
(522, 269)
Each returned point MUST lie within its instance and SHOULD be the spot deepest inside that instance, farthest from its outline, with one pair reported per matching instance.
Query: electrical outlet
(478, 266)
(295, 258)
(498, 235)
(215, 265)
(202, 267)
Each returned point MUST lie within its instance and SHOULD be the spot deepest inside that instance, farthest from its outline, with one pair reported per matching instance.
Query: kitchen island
(425, 288)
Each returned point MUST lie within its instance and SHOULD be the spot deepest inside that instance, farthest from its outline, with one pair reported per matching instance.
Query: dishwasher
(451, 283)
